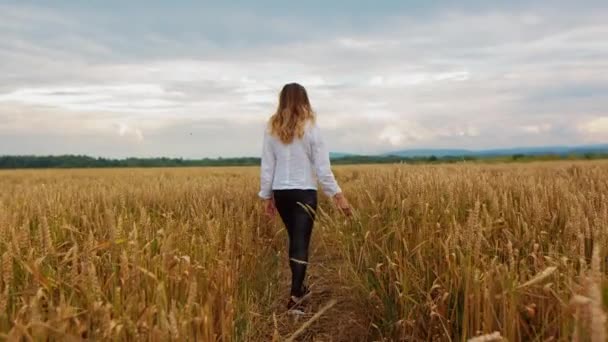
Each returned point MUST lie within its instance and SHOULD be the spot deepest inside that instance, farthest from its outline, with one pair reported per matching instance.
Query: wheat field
(434, 253)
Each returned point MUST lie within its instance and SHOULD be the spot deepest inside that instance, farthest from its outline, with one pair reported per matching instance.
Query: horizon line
(349, 154)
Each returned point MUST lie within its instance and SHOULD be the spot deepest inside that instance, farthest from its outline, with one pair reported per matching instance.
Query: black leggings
(297, 209)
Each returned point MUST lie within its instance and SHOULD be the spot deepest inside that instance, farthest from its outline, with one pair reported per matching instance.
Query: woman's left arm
(267, 169)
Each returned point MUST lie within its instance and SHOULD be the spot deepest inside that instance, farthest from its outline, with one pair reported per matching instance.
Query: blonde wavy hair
(292, 115)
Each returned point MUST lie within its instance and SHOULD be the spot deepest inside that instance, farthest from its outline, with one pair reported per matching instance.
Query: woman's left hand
(269, 208)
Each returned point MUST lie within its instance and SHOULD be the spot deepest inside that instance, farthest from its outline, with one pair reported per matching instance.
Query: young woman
(293, 154)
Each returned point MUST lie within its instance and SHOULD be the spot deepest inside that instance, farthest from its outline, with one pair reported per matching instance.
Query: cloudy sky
(200, 78)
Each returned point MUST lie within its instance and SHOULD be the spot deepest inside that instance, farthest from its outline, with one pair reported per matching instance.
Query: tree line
(82, 161)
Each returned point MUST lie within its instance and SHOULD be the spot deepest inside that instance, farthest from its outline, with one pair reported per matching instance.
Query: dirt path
(345, 321)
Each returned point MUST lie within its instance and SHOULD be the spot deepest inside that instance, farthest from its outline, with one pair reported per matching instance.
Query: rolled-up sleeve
(267, 168)
(322, 165)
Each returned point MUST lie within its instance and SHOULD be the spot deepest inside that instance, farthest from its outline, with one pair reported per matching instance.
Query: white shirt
(297, 165)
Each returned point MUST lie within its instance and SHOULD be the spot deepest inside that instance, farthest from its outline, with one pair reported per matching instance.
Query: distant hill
(531, 151)
(429, 152)
(408, 156)
(338, 155)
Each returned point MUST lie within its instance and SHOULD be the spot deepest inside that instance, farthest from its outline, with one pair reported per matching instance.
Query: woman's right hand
(342, 204)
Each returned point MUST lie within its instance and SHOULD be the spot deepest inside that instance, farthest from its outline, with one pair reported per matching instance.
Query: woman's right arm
(267, 168)
(322, 164)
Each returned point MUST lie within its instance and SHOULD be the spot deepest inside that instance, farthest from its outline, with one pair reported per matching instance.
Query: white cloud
(537, 129)
(404, 133)
(367, 44)
(416, 78)
(125, 130)
(470, 131)
(393, 135)
(595, 129)
(129, 98)
(452, 76)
